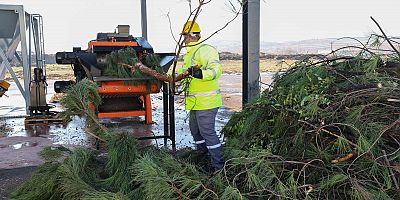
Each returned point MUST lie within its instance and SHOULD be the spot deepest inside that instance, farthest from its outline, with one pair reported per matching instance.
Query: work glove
(196, 73)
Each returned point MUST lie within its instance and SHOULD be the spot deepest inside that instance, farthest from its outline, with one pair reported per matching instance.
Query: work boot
(216, 158)
(201, 148)
(201, 152)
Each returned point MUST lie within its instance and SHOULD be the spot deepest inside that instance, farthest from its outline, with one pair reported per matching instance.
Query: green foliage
(81, 99)
(130, 57)
(324, 112)
(341, 146)
(172, 179)
(77, 177)
(52, 154)
(78, 98)
(332, 181)
(153, 62)
(303, 86)
(113, 60)
(42, 185)
(77, 174)
(121, 156)
(231, 193)
(104, 196)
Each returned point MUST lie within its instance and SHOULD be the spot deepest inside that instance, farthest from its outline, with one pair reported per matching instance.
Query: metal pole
(245, 58)
(24, 52)
(254, 49)
(251, 51)
(144, 18)
(30, 42)
(165, 112)
(172, 118)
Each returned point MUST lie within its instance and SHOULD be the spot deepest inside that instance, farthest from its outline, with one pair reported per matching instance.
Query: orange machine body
(115, 88)
(119, 98)
(94, 43)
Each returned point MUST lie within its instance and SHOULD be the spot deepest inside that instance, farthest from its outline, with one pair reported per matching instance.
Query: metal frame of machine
(20, 28)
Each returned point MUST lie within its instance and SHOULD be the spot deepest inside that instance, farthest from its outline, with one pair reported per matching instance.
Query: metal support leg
(147, 105)
(165, 90)
(24, 53)
(172, 119)
(6, 64)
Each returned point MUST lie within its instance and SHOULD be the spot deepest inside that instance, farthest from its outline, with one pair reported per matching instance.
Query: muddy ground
(20, 144)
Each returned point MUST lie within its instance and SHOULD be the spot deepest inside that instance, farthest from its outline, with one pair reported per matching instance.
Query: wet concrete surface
(20, 144)
(22, 151)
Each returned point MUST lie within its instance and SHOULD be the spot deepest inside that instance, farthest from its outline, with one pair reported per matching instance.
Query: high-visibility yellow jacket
(202, 94)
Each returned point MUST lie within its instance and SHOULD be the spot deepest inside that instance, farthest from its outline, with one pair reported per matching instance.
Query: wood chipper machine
(119, 99)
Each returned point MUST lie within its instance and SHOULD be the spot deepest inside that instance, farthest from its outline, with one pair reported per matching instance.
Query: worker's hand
(197, 73)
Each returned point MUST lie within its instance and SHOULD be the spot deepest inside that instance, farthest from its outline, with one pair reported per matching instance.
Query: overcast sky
(69, 23)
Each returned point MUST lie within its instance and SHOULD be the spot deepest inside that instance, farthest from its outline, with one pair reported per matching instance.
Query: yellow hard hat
(195, 28)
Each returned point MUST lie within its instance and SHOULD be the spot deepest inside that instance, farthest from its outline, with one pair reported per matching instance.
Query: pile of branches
(327, 129)
(333, 128)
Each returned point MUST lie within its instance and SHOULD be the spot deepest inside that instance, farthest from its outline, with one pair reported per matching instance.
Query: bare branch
(384, 34)
(223, 27)
(170, 27)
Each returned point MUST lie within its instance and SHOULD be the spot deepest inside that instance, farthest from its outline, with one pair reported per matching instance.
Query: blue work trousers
(202, 127)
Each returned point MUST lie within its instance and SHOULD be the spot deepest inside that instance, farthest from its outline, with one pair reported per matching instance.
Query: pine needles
(81, 100)
(122, 153)
(129, 57)
(336, 112)
(42, 185)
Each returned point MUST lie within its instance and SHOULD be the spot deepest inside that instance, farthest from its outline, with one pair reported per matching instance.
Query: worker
(202, 94)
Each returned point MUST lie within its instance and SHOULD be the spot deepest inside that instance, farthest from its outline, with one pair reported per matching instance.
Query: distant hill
(312, 46)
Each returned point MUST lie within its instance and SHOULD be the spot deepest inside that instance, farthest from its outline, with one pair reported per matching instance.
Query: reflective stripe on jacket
(202, 94)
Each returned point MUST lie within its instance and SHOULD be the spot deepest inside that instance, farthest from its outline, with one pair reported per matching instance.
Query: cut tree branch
(153, 73)
(387, 39)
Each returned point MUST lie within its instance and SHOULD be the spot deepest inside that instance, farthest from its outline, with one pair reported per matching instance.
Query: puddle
(16, 146)
(24, 144)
